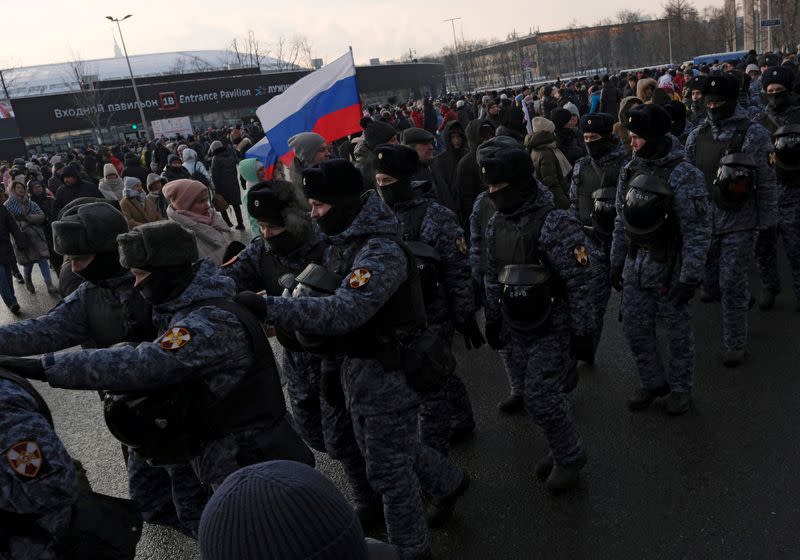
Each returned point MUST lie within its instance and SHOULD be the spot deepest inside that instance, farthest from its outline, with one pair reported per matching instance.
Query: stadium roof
(48, 79)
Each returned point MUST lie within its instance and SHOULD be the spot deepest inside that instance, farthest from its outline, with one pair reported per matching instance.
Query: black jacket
(9, 228)
(223, 173)
(444, 166)
(83, 188)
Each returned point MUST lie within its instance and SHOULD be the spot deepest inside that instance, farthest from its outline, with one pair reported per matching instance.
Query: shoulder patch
(25, 458)
(581, 255)
(461, 245)
(359, 277)
(176, 337)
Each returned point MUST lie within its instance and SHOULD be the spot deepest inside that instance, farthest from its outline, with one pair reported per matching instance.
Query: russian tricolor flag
(325, 101)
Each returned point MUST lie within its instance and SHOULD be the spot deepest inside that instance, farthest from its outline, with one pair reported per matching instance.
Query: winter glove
(29, 368)
(616, 279)
(681, 293)
(254, 302)
(330, 383)
(493, 335)
(473, 338)
(582, 347)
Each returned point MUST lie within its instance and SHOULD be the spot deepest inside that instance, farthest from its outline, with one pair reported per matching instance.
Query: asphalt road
(719, 482)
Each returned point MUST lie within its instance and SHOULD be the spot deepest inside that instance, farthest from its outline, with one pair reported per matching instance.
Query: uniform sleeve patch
(461, 245)
(25, 458)
(176, 337)
(359, 277)
(581, 255)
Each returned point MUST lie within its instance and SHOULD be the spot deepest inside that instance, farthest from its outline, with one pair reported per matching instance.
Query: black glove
(473, 338)
(616, 279)
(29, 368)
(582, 347)
(493, 335)
(254, 302)
(681, 293)
(330, 385)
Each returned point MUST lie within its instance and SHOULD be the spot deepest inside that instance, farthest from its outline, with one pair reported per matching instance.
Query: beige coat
(135, 214)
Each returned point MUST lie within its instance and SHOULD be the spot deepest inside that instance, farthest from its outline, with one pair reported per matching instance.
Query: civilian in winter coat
(645, 88)
(134, 168)
(226, 182)
(609, 97)
(195, 167)
(189, 207)
(444, 165)
(136, 206)
(155, 183)
(74, 187)
(467, 183)
(47, 203)
(54, 182)
(174, 169)
(550, 166)
(619, 127)
(111, 185)
(567, 136)
(8, 230)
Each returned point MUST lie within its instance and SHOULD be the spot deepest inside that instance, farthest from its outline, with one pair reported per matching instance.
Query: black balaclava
(723, 112)
(285, 242)
(510, 198)
(600, 147)
(397, 192)
(166, 283)
(655, 148)
(340, 215)
(779, 101)
(102, 267)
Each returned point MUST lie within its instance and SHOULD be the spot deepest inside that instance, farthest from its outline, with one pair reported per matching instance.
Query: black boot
(441, 509)
(767, 300)
(511, 405)
(544, 467)
(643, 398)
(677, 403)
(733, 358)
(564, 477)
(371, 517)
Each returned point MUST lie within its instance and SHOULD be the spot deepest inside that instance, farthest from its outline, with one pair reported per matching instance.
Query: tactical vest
(788, 177)
(427, 258)
(170, 425)
(272, 269)
(709, 152)
(591, 179)
(111, 321)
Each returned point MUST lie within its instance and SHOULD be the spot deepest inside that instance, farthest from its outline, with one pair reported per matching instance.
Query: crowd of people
(370, 254)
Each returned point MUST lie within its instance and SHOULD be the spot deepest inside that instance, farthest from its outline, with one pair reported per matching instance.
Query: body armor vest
(427, 259)
(709, 152)
(592, 179)
(111, 321)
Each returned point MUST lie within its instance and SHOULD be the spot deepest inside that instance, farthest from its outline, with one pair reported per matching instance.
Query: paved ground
(720, 482)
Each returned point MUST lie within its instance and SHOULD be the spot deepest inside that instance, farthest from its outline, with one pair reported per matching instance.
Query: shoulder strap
(44, 410)
(737, 140)
(258, 337)
(417, 217)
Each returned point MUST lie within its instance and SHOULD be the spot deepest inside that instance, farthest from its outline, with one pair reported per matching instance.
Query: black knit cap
(649, 121)
(560, 117)
(396, 160)
(71, 171)
(502, 159)
(332, 181)
(726, 87)
(268, 201)
(378, 133)
(599, 123)
(777, 75)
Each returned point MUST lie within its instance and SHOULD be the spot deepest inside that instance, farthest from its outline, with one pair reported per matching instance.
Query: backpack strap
(43, 409)
(738, 138)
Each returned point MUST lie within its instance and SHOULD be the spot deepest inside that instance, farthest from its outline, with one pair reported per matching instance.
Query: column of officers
(365, 277)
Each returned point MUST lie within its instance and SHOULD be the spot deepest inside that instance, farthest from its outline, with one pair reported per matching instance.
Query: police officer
(287, 244)
(47, 508)
(373, 306)
(592, 196)
(446, 282)
(538, 298)
(661, 237)
(782, 119)
(207, 390)
(733, 155)
(105, 310)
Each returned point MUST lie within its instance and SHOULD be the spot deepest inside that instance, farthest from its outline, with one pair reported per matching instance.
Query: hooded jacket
(467, 183)
(224, 176)
(550, 166)
(444, 165)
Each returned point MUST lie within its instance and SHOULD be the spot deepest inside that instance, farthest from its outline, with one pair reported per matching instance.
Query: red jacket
(419, 121)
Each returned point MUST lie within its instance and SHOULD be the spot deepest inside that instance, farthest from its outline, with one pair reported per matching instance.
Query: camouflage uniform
(733, 232)
(647, 280)
(547, 354)
(425, 220)
(48, 488)
(218, 350)
(171, 496)
(382, 404)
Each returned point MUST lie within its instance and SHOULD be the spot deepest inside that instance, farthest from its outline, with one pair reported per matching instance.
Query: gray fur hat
(88, 229)
(156, 245)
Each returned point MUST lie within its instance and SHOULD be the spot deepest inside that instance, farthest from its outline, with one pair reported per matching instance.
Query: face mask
(509, 199)
(599, 148)
(102, 267)
(397, 192)
(721, 112)
(339, 217)
(655, 148)
(778, 101)
(284, 243)
(165, 284)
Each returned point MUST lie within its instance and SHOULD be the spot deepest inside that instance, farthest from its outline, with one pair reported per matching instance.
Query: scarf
(133, 193)
(112, 188)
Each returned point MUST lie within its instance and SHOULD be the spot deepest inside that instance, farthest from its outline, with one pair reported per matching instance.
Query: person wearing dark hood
(444, 164)
(677, 112)
(174, 169)
(662, 233)
(375, 133)
(368, 295)
(734, 155)
(134, 168)
(538, 282)
(288, 242)
(548, 102)
(567, 136)
(226, 181)
(493, 113)
(609, 96)
(782, 119)
(446, 412)
(467, 184)
(429, 115)
(592, 196)
(75, 186)
(620, 127)
(54, 182)
(309, 148)
(696, 107)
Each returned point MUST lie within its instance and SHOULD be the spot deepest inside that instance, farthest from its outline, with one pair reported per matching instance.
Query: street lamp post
(130, 70)
(455, 46)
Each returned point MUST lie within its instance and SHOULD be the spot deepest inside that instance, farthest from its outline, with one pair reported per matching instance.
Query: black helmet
(527, 298)
(787, 146)
(647, 204)
(735, 180)
(604, 211)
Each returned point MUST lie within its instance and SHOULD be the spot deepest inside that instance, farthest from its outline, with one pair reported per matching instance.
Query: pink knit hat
(181, 193)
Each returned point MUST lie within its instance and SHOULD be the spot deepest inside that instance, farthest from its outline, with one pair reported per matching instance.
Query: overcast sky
(56, 30)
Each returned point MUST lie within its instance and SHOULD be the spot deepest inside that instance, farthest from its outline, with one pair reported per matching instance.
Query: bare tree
(91, 104)
(788, 34)
(293, 53)
(247, 52)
